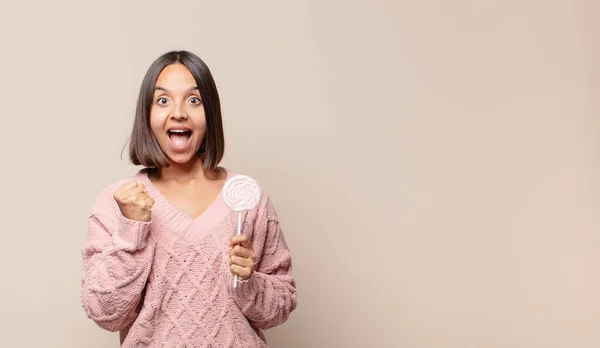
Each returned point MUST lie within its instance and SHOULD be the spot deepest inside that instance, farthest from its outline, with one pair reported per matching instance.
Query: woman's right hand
(134, 202)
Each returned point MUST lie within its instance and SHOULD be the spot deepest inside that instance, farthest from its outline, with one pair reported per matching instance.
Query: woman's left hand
(241, 257)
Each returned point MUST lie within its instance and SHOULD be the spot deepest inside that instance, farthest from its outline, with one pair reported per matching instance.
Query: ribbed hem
(132, 234)
(246, 289)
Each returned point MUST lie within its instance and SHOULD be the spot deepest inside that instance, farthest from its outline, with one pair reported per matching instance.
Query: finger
(121, 193)
(241, 252)
(144, 199)
(243, 273)
(135, 190)
(149, 201)
(246, 244)
(242, 262)
(133, 195)
(140, 196)
(239, 239)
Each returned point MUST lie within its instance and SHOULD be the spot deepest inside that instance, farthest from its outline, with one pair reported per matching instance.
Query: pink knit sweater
(166, 283)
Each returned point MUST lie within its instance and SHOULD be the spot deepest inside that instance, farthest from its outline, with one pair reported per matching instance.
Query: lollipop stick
(239, 231)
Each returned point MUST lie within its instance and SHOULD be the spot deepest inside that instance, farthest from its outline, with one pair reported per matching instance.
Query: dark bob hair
(144, 148)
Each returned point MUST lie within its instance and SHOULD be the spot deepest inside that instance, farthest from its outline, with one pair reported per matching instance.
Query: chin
(182, 158)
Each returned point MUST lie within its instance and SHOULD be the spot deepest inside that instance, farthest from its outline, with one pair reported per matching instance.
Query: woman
(162, 250)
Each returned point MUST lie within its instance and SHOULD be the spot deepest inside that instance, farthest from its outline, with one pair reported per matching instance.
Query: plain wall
(434, 163)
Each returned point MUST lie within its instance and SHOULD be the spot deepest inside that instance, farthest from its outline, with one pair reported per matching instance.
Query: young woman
(163, 250)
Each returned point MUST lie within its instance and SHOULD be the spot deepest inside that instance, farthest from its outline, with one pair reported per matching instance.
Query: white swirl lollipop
(241, 193)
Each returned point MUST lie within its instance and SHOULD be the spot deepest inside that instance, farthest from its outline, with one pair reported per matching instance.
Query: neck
(185, 172)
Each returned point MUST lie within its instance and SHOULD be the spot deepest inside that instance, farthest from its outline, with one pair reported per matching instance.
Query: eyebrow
(158, 88)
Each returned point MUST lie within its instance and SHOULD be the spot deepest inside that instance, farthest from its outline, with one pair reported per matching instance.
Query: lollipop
(241, 193)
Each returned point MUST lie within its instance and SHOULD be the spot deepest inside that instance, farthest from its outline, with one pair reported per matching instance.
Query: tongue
(179, 142)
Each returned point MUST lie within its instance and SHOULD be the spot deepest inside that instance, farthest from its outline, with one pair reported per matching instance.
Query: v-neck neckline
(162, 200)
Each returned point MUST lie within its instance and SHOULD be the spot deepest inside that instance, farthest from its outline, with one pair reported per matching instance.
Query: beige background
(435, 164)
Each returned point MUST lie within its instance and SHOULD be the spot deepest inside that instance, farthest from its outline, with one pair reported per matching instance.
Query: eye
(161, 101)
(195, 100)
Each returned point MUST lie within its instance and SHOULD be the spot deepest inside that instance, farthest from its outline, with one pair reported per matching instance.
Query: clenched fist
(134, 202)
(241, 257)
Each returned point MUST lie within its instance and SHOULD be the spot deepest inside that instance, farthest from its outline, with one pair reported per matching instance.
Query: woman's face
(177, 115)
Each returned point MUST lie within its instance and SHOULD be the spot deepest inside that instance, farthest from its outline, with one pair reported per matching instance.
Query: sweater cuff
(246, 289)
(131, 234)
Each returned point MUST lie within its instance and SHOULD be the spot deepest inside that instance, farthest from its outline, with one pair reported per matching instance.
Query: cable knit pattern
(165, 283)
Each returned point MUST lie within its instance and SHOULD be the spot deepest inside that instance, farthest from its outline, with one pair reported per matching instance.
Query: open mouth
(179, 138)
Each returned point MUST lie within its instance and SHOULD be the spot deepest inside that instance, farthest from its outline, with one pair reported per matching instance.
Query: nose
(178, 112)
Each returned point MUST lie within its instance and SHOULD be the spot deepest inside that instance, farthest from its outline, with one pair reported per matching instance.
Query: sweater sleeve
(269, 296)
(116, 262)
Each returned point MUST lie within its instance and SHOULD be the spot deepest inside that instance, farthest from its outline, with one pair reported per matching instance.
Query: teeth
(179, 131)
